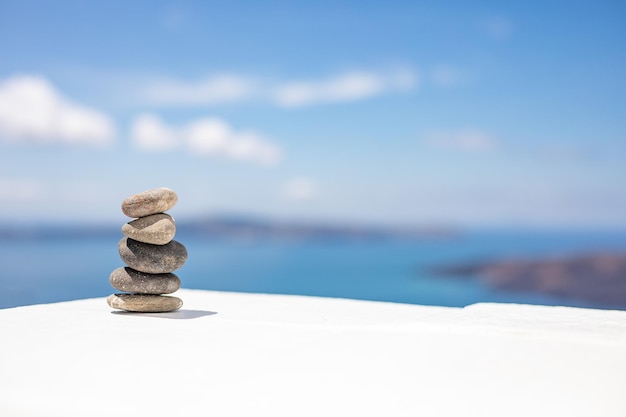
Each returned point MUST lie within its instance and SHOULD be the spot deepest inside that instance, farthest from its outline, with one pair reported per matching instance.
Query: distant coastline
(251, 228)
(238, 227)
(599, 278)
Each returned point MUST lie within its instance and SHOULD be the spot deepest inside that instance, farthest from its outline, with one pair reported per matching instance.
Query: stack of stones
(150, 253)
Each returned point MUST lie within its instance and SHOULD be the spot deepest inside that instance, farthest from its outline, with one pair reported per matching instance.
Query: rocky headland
(598, 278)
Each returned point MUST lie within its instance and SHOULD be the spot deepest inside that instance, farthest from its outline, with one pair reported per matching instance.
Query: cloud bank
(210, 137)
(209, 91)
(31, 109)
(231, 88)
(345, 87)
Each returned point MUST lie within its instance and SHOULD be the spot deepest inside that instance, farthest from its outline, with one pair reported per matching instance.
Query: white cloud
(212, 90)
(230, 88)
(210, 137)
(150, 133)
(17, 190)
(31, 109)
(468, 139)
(346, 87)
(300, 189)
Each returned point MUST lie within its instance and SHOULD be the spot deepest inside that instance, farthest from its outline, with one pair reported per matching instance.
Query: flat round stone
(156, 229)
(149, 202)
(144, 303)
(152, 259)
(129, 280)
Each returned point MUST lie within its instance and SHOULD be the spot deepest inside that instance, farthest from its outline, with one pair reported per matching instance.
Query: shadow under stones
(178, 314)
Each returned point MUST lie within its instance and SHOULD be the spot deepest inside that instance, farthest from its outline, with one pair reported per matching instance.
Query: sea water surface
(44, 270)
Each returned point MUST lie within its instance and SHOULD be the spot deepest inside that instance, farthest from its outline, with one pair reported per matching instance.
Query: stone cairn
(150, 253)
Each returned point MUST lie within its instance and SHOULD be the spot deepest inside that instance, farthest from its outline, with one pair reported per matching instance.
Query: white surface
(294, 356)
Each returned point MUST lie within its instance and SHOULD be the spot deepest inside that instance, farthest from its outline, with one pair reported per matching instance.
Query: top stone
(149, 202)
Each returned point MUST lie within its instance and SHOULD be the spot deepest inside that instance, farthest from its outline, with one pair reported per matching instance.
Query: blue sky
(481, 114)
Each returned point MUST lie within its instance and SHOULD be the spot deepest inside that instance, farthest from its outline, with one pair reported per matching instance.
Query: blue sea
(44, 270)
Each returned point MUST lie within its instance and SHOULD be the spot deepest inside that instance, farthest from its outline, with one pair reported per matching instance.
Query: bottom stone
(144, 303)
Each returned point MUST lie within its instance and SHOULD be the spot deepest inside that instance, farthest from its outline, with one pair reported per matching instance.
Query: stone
(149, 202)
(156, 229)
(130, 280)
(144, 303)
(152, 259)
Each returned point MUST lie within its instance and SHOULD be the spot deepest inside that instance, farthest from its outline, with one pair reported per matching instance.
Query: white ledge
(232, 354)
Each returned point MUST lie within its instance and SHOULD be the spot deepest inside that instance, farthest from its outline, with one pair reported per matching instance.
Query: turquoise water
(49, 270)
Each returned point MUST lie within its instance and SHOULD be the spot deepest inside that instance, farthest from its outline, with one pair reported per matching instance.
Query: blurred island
(257, 228)
(596, 278)
(239, 228)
